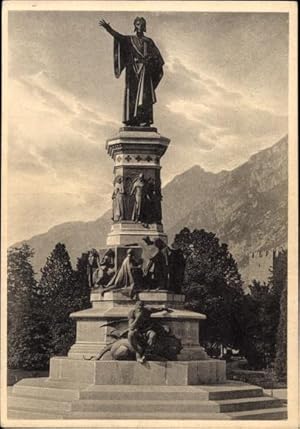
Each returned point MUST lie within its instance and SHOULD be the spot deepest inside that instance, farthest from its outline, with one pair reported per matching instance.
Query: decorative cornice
(136, 159)
(147, 143)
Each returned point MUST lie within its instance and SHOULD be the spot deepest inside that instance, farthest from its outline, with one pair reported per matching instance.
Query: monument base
(110, 372)
(52, 398)
(127, 233)
(109, 312)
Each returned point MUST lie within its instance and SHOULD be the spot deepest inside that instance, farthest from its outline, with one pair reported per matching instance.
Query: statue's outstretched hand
(104, 24)
(167, 309)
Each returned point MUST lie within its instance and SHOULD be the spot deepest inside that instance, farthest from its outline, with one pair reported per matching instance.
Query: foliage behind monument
(38, 312)
(281, 345)
(213, 286)
(27, 326)
(57, 286)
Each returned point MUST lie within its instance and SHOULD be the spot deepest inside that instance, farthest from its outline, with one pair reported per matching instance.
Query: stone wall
(261, 265)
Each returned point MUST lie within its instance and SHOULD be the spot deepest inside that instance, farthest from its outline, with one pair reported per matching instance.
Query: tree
(267, 337)
(58, 293)
(213, 286)
(82, 285)
(278, 276)
(26, 327)
(260, 325)
(281, 345)
(209, 261)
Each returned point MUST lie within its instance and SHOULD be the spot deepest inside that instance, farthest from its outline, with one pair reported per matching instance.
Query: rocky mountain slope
(245, 207)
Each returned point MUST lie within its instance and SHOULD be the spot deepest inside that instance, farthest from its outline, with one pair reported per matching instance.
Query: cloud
(42, 111)
(56, 155)
(222, 126)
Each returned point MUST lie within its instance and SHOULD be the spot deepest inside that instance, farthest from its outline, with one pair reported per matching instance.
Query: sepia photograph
(149, 235)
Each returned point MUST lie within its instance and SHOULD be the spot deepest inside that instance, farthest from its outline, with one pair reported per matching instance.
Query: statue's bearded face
(139, 305)
(139, 25)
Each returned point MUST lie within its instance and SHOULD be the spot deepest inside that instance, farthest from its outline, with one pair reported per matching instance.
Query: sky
(223, 97)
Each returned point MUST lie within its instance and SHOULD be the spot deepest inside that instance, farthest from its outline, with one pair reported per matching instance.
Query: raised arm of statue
(110, 30)
(159, 309)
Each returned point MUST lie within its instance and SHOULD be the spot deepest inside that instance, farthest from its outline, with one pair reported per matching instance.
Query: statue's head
(159, 243)
(110, 253)
(129, 252)
(141, 176)
(93, 252)
(139, 304)
(92, 256)
(139, 24)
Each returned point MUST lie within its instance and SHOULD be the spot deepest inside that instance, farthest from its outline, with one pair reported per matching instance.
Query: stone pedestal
(133, 373)
(137, 151)
(127, 233)
(192, 367)
(92, 337)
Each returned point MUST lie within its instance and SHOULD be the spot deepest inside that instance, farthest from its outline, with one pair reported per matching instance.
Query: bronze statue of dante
(144, 70)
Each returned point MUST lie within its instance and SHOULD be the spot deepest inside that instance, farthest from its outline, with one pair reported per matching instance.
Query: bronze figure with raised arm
(141, 59)
(142, 330)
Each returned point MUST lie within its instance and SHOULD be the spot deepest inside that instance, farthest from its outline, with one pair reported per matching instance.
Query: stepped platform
(45, 398)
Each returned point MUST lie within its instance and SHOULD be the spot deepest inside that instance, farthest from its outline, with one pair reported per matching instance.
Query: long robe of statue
(143, 63)
(144, 70)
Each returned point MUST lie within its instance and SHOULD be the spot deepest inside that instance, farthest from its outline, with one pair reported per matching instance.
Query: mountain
(77, 236)
(245, 207)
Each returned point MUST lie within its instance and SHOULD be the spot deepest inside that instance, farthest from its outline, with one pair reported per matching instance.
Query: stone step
(23, 413)
(243, 404)
(182, 406)
(123, 406)
(44, 398)
(62, 383)
(142, 393)
(167, 393)
(233, 391)
(264, 414)
(137, 415)
(279, 413)
(46, 393)
(236, 394)
(37, 404)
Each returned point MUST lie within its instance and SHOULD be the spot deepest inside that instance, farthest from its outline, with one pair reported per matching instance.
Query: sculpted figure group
(144, 339)
(100, 272)
(147, 335)
(163, 270)
(140, 203)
